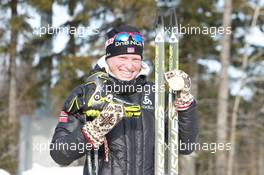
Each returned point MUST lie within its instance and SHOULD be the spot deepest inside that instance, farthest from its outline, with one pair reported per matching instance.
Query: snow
(3, 172)
(235, 74)
(41, 170)
(256, 37)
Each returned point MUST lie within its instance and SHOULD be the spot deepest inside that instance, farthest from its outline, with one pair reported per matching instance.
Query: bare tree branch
(238, 97)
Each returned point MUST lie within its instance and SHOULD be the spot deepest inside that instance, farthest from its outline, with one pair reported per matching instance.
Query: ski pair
(166, 151)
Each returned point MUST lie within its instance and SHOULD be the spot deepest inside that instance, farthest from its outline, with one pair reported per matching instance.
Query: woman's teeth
(126, 73)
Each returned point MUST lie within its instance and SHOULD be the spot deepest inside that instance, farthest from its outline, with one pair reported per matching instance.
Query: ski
(166, 151)
(173, 128)
(159, 100)
(172, 114)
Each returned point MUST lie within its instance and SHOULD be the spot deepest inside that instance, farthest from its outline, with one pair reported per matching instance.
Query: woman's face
(125, 67)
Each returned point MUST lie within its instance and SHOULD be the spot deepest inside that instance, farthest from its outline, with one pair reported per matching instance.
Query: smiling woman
(124, 67)
(124, 60)
(123, 130)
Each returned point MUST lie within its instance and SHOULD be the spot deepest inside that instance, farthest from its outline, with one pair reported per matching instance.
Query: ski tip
(173, 38)
(159, 37)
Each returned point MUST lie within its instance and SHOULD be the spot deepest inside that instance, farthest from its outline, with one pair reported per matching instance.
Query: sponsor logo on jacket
(147, 103)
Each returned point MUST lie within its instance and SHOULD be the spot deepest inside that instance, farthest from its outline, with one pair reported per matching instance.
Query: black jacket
(131, 141)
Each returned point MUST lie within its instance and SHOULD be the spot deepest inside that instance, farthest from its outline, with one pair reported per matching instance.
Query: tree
(245, 64)
(222, 111)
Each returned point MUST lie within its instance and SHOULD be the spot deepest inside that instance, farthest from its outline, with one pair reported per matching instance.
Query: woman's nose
(129, 64)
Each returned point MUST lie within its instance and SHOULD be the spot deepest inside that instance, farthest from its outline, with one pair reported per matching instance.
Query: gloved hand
(91, 101)
(86, 96)
(180, 83)
(94, 131)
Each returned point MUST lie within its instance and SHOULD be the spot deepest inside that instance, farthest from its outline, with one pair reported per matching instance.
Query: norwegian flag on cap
(130, 50)
(63, 117)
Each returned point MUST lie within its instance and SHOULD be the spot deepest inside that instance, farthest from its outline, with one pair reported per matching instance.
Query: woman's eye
(136, 60)
(122, 58)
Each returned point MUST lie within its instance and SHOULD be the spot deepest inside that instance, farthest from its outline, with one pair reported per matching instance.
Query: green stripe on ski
(159, 103)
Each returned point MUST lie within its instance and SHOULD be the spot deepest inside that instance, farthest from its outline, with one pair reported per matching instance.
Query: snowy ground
(3, 172)
(41, 170)
(42, 131)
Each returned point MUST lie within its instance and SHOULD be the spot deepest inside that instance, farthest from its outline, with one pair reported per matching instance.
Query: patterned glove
(180, 83)
(94, 131)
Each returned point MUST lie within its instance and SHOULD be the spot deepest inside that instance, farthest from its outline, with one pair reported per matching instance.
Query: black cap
(114, 48)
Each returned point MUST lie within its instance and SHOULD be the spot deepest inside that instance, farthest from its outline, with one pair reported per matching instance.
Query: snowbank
(40, 170)
(3, 172)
